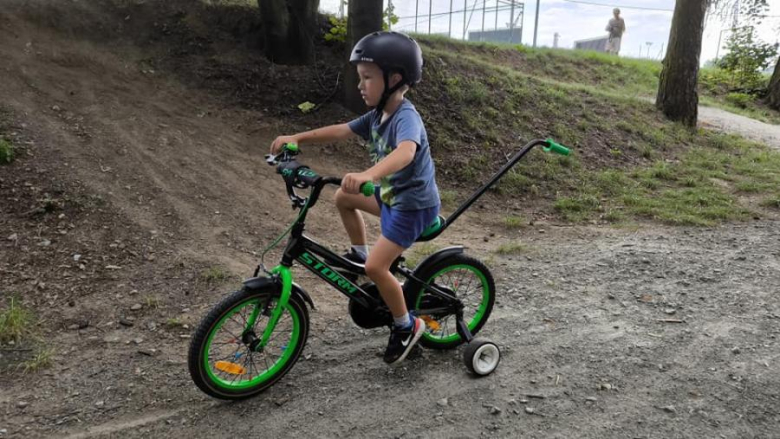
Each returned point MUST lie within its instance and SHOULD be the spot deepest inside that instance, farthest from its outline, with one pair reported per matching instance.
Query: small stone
(76, 257)
(73, 327)
(591, 399)
(443, 402)
(22, 404)
(111, 339)
(735, 351)
(113, 267)
(44, 243)
(3, 431)
(495, 410)
(13, 237)
(138, 340)
(100, 404)
(670, 311)
(606, 386)
(530, 410)
(136, 307)
(126, 322)
(147, 352)
(669, 409)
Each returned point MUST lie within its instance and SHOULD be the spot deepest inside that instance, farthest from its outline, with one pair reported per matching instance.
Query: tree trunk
(677, 96)
(363, 17)
(773, 97)
(290, 27)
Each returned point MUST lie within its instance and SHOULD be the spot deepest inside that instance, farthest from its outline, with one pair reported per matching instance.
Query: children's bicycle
(253, 337)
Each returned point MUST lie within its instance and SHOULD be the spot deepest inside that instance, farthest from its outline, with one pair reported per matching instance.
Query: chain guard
(367, 318)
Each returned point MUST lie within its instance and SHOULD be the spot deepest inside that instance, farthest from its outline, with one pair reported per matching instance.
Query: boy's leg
(403, 336)
(349, 206)
(378, 269)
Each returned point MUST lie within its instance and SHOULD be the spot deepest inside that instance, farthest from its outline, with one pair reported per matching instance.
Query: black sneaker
(402, 341)
(353, 256)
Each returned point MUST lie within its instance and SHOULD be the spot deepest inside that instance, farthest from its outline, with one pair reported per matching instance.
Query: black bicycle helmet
(393, 52)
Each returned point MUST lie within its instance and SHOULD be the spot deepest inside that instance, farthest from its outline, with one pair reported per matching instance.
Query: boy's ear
(395, 78)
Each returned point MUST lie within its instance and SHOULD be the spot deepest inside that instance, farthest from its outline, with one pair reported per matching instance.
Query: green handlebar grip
(367, 188)
(555, 147)
(292, 147)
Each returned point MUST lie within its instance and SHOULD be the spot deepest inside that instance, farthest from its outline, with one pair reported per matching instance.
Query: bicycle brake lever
(271, 159)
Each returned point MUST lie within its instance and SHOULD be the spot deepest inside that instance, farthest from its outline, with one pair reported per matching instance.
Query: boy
(407, 199)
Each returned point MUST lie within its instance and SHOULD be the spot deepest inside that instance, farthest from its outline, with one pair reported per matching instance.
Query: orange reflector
(231, 368)
(433, 324)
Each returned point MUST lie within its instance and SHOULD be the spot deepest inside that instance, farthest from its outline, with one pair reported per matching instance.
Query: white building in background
(598, 44)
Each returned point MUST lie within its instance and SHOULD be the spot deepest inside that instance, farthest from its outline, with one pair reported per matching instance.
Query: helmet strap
(388, 92)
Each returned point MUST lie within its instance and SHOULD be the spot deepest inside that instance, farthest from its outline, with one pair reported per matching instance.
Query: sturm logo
(327, 273)
(367, 59)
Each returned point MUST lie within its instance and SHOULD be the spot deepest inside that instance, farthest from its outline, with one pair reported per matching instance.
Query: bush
(746, 57)
(741, 100)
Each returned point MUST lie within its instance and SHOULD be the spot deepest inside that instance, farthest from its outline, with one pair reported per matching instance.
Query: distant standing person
(615, 27)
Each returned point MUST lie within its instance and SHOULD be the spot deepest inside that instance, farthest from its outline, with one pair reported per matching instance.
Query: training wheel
(481, 357)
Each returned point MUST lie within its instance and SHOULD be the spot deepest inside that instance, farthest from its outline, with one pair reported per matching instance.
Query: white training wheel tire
(481, 357)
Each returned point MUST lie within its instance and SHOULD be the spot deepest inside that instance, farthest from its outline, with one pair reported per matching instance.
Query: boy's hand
(351, 182)
(276, 145)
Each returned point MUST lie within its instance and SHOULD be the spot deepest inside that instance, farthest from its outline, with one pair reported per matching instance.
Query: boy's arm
(397, 160)
(329, 133)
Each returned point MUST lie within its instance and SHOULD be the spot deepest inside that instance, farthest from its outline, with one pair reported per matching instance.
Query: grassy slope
(628, 76)
(478, 100)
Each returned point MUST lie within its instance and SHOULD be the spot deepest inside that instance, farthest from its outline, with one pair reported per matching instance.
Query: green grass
(152, 302)
(448, 199)
(701, 188)
(42, 359)
(15, 322)
(174, 322)
(215, 274)
(515, 222)
(512, 248)
(6, 151)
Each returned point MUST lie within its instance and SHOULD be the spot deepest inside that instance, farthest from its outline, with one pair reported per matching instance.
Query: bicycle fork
(248, 337)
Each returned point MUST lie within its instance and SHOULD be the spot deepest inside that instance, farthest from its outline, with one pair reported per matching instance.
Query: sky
(647, 21)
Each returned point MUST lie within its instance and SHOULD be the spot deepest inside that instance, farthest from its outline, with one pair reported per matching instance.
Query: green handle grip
(555, 147)
(367, 188)
(292, 147)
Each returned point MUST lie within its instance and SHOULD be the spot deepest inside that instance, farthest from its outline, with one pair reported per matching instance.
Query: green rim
(271, 369)
(478, 315)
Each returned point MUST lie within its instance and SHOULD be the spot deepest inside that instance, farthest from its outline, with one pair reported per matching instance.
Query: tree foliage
(747, 57)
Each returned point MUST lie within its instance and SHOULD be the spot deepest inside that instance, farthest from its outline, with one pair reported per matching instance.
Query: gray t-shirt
(414, 186)
(616, 27)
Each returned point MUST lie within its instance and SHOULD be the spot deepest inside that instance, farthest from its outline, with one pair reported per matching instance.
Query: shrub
(741, 100)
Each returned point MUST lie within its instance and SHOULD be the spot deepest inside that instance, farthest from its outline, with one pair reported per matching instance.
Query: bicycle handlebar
(301, 176)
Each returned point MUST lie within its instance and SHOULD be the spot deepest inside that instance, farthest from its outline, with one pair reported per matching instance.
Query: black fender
(438, 256)
(274, 284)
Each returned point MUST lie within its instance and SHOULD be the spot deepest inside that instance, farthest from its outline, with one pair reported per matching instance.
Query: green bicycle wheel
(471, 282)
(221, 359)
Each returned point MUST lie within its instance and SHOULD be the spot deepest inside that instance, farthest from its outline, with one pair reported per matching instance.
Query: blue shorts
(403, 227)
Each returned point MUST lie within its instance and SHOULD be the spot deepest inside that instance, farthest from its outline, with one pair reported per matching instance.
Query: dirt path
(723, 120)
(591, 349)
